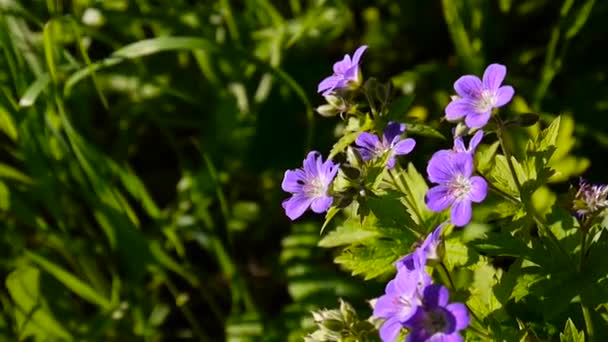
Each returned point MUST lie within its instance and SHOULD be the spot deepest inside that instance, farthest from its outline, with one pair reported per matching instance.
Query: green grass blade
(70, 281)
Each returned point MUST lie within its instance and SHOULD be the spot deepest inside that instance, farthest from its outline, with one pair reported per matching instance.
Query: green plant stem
(588, 323)
(184, 308)
(586, 313)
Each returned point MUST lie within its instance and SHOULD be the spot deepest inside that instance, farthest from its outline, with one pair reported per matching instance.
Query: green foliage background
(144, 142)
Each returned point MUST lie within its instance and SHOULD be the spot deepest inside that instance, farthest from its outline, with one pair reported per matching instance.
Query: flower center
(460, 187)
(436, 321)
(315, 187)
(486, 101)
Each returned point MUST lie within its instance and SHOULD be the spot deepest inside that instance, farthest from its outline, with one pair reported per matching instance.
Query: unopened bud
(327, 110)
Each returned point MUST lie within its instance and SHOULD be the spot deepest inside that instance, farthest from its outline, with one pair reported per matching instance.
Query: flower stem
(588, 323)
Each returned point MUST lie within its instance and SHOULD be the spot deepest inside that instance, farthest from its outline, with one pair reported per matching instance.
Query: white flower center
(460, 187)
(487, 101)
(315, 188)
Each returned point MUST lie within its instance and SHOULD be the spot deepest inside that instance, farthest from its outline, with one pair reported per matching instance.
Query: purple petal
(461, 213)
(293, 180)
(461, 163)
(429, 246)
(504, 95)
(358, 53)
(368, 140)
(445, 338)
(479, 189)
(385, 305)
(343, 65)
(393, 130)
(458, 108)
(412, 261)
(435, 296)
(476, 120)
(310, 163)
(461, 315)
(493, 76)
(296, 206)
(390, 163)
(459, 145)
(437, 168)
(404, 146)
(468, 87)
(438, 198)
(390, 329)
(475, 140)
(329, 83)
(321, 204)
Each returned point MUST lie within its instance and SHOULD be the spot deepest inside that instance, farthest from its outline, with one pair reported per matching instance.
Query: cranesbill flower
(590, 199)
(427, 251)
(370, 145)
(435, 319)
(309, 186)
(346, 73)
(402, 297)
(476, 98)
(457, 187)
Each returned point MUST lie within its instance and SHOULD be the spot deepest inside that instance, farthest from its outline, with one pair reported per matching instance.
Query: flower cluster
(412, 301)
(452, 170)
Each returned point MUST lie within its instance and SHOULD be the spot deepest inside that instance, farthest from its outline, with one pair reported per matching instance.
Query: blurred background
(144, 143)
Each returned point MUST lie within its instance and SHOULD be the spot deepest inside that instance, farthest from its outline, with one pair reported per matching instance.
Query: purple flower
(402, 297)
(436, 320)
(457, 188)
(371, 147)
(346, 73)
(475, 140)
(427, 251)
(309, 186)
(590, 199)
(476, 98)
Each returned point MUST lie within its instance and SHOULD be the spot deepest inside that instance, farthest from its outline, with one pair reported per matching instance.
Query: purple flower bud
(346, 73)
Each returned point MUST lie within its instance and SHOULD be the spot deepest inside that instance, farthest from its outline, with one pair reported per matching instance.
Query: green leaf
(423, 130)
(370, 261)
(349, 232)
(32, 314)
(457, 254)
(571, 334)
(343, 143)
(415, 188)
(484, 156)
(329, 216)
(34, 90)
(399, 108)
(580, 20)
(548, 137)
(70, 281)
(483, 301)
(7, 125)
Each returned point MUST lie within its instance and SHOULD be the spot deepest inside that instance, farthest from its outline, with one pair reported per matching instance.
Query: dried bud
(590, 200)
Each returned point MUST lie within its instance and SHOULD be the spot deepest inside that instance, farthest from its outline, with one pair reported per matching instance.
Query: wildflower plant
(477, 248)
